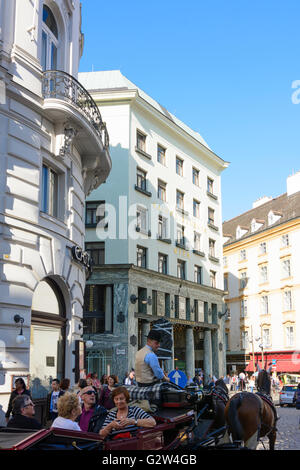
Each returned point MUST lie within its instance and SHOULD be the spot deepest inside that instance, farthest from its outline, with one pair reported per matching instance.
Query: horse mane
(264, 382)
(221, 383)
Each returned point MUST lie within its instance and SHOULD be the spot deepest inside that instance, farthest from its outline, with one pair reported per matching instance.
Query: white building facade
(262, 278)
(53, 152)
(161, 235)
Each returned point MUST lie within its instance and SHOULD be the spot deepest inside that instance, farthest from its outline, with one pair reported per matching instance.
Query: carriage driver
(147, 369)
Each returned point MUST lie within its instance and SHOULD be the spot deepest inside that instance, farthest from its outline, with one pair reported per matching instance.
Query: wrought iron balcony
(62, 86)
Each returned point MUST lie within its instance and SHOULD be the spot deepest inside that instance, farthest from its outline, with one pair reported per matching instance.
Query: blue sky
(224, 67)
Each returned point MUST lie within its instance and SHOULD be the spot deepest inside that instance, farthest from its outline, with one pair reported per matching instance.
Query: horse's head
(221, 384)
(264, 380)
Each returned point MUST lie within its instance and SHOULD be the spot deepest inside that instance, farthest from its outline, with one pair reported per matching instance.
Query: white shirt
(65, 423)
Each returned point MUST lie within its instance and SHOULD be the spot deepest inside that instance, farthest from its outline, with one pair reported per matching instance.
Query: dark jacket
(23, 422)
(97, 419)
(13, 395)
(297, 398)
(105, 398)
(49, 402)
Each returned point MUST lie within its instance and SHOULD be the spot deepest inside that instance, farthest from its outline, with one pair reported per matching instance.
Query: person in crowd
(64, 386)
(130, 380)
(197, 380)
(23, 412)
(105, 394)
(251, 384)
(227, 381)
(125, 415)
(52, 398)
(82, 383)
(93, 415)
(103, 380)
(20, 389)
(96, 381)
(69, 409)
(89, 382)
(147, 369)
(242, 378)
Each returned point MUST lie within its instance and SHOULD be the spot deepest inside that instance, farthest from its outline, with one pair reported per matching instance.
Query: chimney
(293, 183)
(261, 201)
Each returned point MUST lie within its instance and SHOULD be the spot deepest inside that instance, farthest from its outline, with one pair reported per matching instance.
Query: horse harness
(267, 399)
(219, 393)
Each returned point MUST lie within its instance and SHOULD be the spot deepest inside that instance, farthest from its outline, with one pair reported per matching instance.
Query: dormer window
(241, 231)
(273, 217)
(49, 40)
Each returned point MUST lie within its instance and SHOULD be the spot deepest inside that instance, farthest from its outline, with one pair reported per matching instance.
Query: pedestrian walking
(52, 399)
(251, 384)
(20, 389)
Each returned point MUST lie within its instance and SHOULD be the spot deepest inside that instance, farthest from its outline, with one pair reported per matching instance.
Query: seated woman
(68, 407)
(125, 415)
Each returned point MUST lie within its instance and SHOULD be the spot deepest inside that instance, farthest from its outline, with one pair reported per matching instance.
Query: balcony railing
(62, 86)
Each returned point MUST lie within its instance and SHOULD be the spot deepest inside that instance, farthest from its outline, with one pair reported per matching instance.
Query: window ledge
(144, 232)
(141, 152)
(90, 225)
(164, 240)
(53, 219)
(212, 226)
(199, 253)
(212, 258)
(182, 211)
(143, 191)
(180, 245)
(213, 196)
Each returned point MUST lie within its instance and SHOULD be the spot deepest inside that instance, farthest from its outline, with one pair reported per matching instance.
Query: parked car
(286, 396)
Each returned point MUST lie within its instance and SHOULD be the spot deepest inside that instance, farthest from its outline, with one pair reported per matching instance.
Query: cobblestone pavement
(288, 435)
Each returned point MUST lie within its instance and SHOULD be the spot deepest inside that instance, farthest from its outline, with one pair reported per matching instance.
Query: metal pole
(262, 346)
(253, 360)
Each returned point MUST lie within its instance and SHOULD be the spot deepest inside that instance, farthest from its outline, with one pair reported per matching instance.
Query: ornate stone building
(53, 152)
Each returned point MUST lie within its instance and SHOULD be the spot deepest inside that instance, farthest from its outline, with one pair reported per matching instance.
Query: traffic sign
(178, 377)
(274, 362)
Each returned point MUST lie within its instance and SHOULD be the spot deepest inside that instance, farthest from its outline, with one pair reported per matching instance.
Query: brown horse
(250, 416)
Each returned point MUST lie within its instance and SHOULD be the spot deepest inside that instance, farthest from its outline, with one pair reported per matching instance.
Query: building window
(266, 337)
(167, 305)
(198, 274)
(263, 272)
(227, 341)
(210, 186)
(262, 248)
(49, 40)
(212, 277)
(141, 141)
(243, 280)
(245, 340)
(141, 255)
(181, 269)
(94, 212)
(286, 268)
(243, 255)
(162, 263)
(196, 208)
(180, 235)
(179, 166)
(50, 191)
(289, 334)
(141, 219)
(154, 302)
(226, 282)
(195, 176)
(243, 308)
(179, 200)
(162, 227)
(212, 247)
(98, 309)
(287, 300)
(96, 251)
(285, 240)
(141, 179)
(264, 305)
(211, 216)
(161, 190)
(161, 155)
(197, 241)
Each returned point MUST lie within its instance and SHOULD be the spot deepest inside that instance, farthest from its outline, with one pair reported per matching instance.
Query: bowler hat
(154, 334)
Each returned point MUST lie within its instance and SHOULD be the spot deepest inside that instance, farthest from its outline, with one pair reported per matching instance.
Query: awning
(280, 366)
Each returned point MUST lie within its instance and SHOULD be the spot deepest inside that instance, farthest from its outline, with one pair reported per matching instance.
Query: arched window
(49, 40)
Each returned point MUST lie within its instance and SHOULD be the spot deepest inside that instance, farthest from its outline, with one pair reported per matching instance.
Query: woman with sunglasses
(93, 415)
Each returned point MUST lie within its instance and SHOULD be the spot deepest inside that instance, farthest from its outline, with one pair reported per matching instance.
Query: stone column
(215, 353)
(207, 356)
(145, 331)
(189, 352)
(108, 309)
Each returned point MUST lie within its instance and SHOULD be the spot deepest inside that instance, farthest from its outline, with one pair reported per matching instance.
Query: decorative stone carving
(69, 134)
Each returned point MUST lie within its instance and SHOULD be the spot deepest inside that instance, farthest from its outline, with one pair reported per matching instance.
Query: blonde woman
(69, 409)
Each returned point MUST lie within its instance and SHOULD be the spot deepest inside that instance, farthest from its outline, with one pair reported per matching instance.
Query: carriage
(185, 418)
